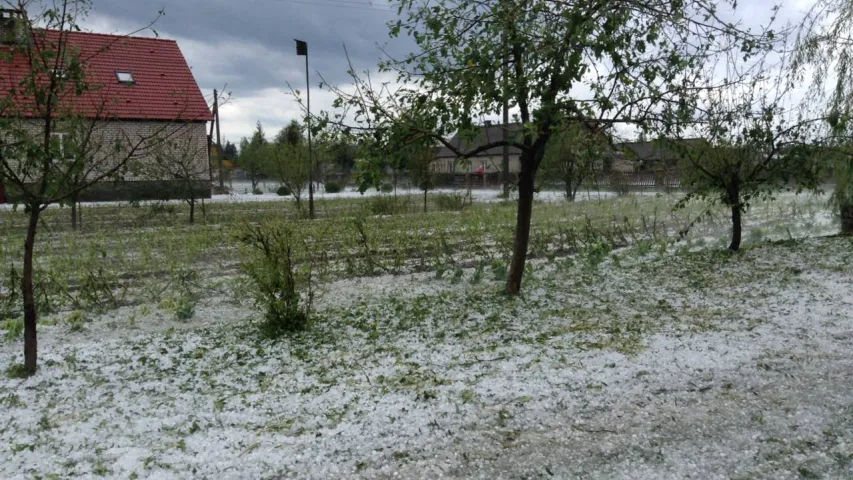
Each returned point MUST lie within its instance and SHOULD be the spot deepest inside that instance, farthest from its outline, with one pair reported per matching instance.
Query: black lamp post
(302, 50)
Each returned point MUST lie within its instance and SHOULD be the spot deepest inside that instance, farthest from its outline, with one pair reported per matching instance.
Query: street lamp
(302, 50)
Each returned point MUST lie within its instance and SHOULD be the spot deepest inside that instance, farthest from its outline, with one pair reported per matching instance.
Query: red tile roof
(164, 90)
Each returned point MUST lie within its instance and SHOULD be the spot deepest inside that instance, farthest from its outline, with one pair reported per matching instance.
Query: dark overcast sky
(248, 45)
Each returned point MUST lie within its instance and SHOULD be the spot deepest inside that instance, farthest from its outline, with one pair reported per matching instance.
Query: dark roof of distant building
(488, 133)
(653, 150)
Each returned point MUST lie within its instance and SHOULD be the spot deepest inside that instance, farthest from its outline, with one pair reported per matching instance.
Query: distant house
(489, 161)
(649, 156)
(136, 85)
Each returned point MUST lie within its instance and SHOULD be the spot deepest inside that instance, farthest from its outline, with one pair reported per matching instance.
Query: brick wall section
(151, 148)
(157, 154)
(182, 146)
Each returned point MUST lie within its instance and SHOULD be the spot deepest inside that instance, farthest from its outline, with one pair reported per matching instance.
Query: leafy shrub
(14, 328)
(10, 293)
(620, 184)
(597, 252)
(499, 269)
(257, 191)
(182, 307)
(96, 291)
(280, 287)
(162, 208)
(449, 201)
(386, 188)
(76, 321)
(387, 205)
(50, 290)
(185, 308)
(16, 371)
(333, 187)
(283, 191)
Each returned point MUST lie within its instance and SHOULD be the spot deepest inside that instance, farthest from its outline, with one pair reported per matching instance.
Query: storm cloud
(249, 46)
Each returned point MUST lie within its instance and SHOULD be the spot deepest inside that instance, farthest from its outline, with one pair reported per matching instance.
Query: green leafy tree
(750, 148)
(342, 154)
(574, 156)
(50, 153)
(291, 134)
(254, 155)
(823, 48)
(288, 163)
(630, 56)
(419, 159)
(229, 152)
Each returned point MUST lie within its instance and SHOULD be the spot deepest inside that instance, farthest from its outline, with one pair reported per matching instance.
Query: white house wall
(184, 141)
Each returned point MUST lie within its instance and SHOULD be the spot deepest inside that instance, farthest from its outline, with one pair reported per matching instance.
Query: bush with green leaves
(280, 286)
(386, 188)
(257, 191)
(14, 328)
(388, 205)
(76, 321)
(333, 187)
(182, 306)
(283, 191)
(10, 292)
(97, 290)
(449, 201)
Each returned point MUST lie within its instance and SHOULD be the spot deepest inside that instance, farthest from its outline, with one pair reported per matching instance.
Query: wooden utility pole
(210, 141)
(218, 142)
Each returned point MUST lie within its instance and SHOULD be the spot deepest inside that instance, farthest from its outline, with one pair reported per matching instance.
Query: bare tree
(288, 163)
(178, 161)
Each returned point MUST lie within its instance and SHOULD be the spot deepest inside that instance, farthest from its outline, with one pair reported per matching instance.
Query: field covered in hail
(634, 352)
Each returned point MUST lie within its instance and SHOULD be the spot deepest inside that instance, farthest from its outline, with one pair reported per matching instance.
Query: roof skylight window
(125, 77)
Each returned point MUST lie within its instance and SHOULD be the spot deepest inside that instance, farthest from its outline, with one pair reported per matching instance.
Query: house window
(62, 144)
(125, 77)
(60, 73)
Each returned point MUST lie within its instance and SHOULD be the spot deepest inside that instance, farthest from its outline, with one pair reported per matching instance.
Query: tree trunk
(736, 229)
(522, 229)
(846, 211)
(734, 202)
(73, 213)
(570, 191)
(30, 314)
(425, 200)
(192, 210)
